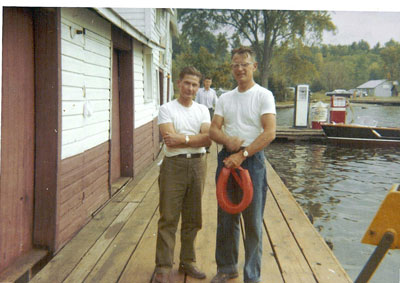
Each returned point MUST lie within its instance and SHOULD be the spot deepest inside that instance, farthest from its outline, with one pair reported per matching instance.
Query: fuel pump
(301, 105)
(338, 109)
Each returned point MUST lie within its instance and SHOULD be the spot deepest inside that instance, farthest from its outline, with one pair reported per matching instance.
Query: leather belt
(190, 155)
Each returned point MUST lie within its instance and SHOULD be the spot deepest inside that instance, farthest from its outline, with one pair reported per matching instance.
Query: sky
(370, 26)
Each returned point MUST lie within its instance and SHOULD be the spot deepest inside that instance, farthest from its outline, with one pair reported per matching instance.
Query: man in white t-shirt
(184, 125)
(244, 122)
(208, 97)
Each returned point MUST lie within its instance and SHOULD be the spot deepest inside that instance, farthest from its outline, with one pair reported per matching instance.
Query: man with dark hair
(244, 122)
(208, 97)
(184, 126)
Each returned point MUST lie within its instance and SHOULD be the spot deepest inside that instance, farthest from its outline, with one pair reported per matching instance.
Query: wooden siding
(86, 81)
(143, 19)
(17, 136)
(83, 187)
(134, 16)
(145, 146)
(48, 123)
(144, 111)
(123, 43)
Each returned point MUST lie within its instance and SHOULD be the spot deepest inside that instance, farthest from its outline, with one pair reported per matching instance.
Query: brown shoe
(160, 277)
(191, 270)
(224, 277)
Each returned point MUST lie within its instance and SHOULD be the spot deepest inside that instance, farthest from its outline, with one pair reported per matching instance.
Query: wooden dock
(118, 244)
(305, 134)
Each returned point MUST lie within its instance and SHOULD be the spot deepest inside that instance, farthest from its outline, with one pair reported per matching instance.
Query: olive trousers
(181, 184)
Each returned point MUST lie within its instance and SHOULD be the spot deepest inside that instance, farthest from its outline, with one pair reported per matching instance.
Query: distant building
(380, 88)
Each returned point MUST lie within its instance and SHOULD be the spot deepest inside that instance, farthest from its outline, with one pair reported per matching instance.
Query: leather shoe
(160, 278)
(224, 277)
(191, 270)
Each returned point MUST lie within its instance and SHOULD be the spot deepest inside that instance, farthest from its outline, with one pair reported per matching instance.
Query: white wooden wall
(86, 79)
(145, 110)
(135, 16)
(86, 74)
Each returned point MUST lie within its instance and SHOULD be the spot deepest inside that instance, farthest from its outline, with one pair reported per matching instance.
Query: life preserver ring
(245, 184)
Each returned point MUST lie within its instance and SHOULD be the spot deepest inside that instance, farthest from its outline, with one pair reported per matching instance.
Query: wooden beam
(48, 124)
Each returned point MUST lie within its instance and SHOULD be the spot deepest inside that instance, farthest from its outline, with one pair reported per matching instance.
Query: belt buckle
(188, 155)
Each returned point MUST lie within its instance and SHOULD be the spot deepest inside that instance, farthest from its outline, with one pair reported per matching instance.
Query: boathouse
(81, 89)
(379, 88)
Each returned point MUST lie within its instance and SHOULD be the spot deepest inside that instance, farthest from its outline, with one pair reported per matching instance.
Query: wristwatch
(186, 139)
(245, 153)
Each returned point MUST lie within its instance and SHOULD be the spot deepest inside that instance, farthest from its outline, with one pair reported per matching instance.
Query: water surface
(343, 187)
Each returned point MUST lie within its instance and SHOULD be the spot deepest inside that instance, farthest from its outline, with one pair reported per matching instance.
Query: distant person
(208, 97)
(244, 122)
(394, 91)
(184, 125)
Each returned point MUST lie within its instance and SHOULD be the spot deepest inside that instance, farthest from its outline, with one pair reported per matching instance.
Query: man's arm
(175, 140)
(268, 122)
(216, 134)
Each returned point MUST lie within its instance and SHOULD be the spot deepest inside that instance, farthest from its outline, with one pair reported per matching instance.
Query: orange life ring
(245, 184)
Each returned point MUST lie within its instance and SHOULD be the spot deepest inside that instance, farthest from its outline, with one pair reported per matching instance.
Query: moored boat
(361, 133)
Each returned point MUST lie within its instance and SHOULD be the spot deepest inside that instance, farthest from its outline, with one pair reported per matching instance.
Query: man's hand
(173, 139)
(234, 160)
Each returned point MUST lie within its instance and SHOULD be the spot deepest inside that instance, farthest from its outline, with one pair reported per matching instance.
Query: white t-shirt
(207, 97)
(186, 120)
(242, 111)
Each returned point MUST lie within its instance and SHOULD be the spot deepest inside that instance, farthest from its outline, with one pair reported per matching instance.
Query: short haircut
(244, 50)
(189, 71)
(207, 78)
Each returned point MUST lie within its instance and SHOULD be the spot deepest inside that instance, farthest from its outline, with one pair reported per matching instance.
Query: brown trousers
(181, 184)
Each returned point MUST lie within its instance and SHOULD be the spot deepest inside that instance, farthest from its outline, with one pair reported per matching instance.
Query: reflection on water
(342, 187)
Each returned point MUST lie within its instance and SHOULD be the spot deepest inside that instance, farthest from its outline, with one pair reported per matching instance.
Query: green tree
(390, 55)
(265, 30)
(335, 74)
(221, 51)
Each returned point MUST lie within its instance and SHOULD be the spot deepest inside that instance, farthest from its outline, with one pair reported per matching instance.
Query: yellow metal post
(383, 232)
(386, 219)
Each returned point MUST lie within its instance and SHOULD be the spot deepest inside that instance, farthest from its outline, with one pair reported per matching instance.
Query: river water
(343, 187)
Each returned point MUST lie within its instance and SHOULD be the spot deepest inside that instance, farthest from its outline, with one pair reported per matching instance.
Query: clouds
(372, 27)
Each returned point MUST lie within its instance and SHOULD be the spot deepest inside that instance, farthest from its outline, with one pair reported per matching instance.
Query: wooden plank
(142, 187)
(23, 264)
(91, 257)
(291, 260)
(17, 188)
(141, 264)
(64, 262)
(120, 254)
(270, 271)
(111, 264)
(319, 256)
(151, 173)
(119, 184)
(206, 240)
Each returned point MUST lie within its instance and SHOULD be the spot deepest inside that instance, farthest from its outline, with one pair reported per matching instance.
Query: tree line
(288, 50)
